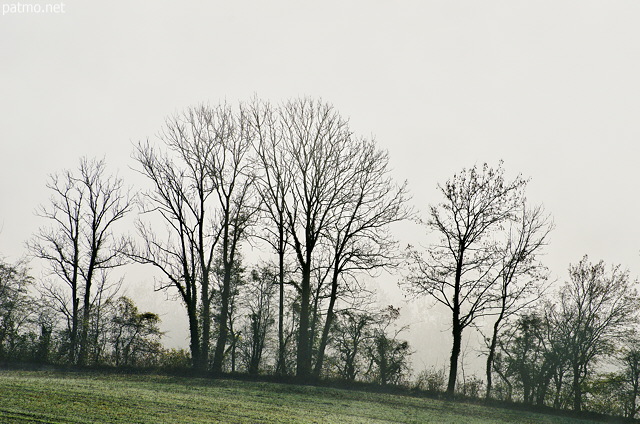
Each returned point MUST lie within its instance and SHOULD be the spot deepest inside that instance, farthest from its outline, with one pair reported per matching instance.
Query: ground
(52, 397)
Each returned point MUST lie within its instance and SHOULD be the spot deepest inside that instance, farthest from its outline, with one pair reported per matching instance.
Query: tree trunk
(303, 356)
(634, 399)
(527, 394)
(44, 344)
(84, 335)
(256, 351)
(455, 354)
(194, 337)
(86, 312)
(281, 366)
(350, 366)
(86, 317)
(206, 323)
(327, 326)
(224, 316)
(382, 346)
(492, 348)
(73, 349)
(558, 386)
(490, 356)
(456, 329)
(577, 390)
(233, 352)
(541, 394)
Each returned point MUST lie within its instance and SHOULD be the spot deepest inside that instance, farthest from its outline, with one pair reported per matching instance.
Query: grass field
(95, 398)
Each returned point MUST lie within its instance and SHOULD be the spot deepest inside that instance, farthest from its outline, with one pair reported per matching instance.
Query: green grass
(95, 398)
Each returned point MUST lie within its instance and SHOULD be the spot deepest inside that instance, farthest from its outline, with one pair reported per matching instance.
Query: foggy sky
(550, 87)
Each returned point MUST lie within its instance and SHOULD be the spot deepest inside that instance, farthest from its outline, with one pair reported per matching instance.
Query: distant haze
(550, 87)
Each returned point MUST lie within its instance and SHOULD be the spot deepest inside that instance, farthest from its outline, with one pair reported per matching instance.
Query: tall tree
(79, 244)
(330, 199)
(234, 175)
(522, 276)
(273, 186)
(359, 238)
(461, 270)
(315, 139)
(201, 190)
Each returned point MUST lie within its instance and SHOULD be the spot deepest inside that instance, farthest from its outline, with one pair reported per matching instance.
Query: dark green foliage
(134, 336)
(431, 380)
(18, 314)
(531, 356)
(259, 317)
(388, 356)
(351, 335)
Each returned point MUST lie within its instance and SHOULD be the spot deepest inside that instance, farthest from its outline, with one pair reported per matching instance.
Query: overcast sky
(550, 87)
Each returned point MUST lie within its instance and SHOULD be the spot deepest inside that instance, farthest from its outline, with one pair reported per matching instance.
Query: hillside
(48, 397)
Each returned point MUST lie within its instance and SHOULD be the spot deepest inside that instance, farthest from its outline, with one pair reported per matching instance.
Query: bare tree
(273, 186)
(522, 276)
(79, 245)
(315, 139)
(234, 176)
(201, 191)
(596, 307)
(461, 270)
(358, 238)
(329, 197)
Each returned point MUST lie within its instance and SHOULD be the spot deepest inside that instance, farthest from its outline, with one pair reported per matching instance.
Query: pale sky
(550, 87)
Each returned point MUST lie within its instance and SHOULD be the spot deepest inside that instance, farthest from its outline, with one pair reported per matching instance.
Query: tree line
(319, 203)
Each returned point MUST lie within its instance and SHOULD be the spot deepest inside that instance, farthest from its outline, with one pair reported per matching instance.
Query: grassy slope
(87, 398)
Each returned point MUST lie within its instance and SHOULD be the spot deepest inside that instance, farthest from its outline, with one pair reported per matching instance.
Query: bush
(174, 359)
(471, 387)
(431, 380)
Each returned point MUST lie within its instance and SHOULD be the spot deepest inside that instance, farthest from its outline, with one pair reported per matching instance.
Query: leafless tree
(461, 270)
(596, 307)
(79, 244)
(273, 186)
(522, 276)
(329, 198)
(202, 192)
(359, 238)
(234, 175)
(315, 138)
